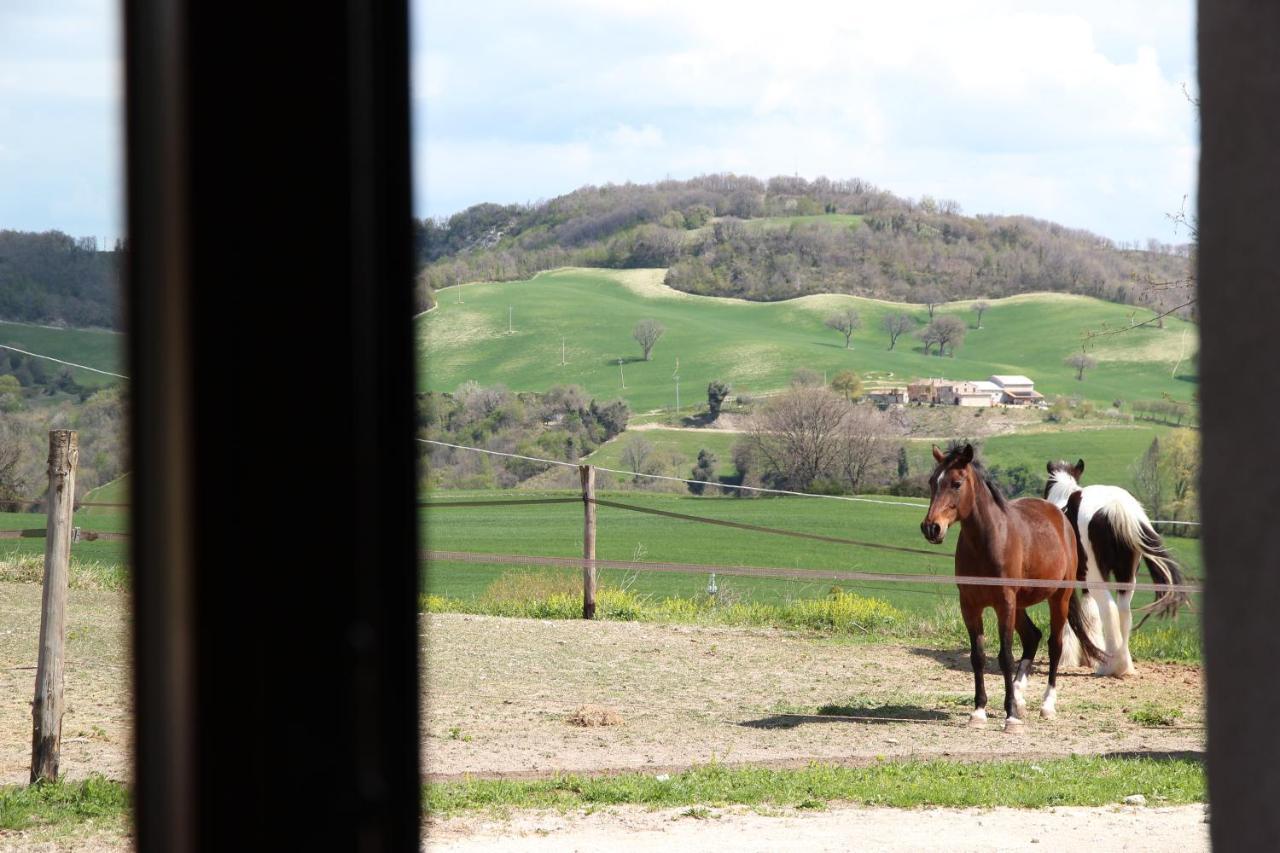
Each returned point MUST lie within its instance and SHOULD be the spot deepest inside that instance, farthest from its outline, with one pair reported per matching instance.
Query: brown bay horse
(1014, 539)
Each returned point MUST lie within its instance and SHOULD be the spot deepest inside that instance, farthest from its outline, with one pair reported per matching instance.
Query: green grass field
(1078, 781)
(757, 346)
(101, 349)
(556, 530)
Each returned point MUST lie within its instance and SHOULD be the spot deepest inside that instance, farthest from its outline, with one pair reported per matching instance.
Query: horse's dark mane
(953, 454)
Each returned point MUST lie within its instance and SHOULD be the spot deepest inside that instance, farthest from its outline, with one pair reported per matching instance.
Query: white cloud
(1049, 107)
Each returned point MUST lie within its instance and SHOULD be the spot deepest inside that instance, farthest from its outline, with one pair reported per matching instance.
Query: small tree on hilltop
(646, 334)
(717, 393)
(703, 472)
(1081, 362)
(847, 383)
(845, 321)
(980, 307)
(896, 325)
(932, 297)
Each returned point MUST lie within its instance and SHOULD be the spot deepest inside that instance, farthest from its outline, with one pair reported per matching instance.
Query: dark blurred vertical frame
(1239, 289)
(270, 350)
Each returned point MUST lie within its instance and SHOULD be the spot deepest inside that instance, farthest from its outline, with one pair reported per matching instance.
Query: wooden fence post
(46, 711)
(588, 475)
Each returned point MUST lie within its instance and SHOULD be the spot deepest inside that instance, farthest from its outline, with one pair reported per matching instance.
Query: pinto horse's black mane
(953, 456)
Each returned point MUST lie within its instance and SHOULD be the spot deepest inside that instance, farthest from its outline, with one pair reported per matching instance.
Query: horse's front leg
(1006, 619)
(972, 614)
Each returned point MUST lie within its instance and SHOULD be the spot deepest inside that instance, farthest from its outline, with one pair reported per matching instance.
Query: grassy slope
(756, 346)
(100, 349)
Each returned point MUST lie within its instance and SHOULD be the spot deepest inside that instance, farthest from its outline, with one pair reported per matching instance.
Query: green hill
(95, 348)
(757, 346)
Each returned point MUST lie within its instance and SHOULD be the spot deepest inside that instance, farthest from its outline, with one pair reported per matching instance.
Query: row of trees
(1166, 479)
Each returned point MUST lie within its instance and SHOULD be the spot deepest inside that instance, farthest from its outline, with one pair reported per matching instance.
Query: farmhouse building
(925, 390)
(991, 389)
(963, 394)
(888, 396)
(1017, 390)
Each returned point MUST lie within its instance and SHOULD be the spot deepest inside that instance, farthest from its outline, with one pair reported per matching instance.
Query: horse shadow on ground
(957, 660)
(879, 714)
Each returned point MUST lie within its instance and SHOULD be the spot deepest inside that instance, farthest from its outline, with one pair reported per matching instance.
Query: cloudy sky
(1071, 111)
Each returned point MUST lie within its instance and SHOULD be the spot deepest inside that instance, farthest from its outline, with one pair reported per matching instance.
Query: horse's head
(951, 491)
(1064, 478)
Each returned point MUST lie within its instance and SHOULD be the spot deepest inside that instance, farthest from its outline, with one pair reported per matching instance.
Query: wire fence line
(61, 361)
(797, 574)
(707, 483)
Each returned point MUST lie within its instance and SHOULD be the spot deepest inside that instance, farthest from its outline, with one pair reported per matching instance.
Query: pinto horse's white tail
(1072, 652)
(1133, 528)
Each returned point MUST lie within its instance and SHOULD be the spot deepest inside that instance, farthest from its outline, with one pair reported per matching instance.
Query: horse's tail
(1089, 652)
(1133, 528)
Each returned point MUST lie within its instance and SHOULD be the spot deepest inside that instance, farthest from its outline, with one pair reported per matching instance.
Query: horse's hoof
(1048, 713)
(978, 719)
(1013, 726)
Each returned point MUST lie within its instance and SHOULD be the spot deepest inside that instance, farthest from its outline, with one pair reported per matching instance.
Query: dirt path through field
(839, 828)
(500, 693)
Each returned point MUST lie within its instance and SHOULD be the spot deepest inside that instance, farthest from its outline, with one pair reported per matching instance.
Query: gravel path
(1181, 828)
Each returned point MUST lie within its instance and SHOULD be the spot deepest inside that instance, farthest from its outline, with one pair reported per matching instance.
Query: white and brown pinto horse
(1028, 538)
(1115, 536)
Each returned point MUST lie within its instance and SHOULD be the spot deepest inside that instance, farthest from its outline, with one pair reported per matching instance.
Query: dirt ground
(871, 829)
(97, 726)
(500, 693)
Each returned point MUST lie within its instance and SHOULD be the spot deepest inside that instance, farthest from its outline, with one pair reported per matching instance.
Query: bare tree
(932, 297)
(796, 437)
(928, 336)
(845, 321)
(946, 332)
(646, 334)
(980, 307)
(1081, 362)
(863, 446)
(635, 455)
(896, 325)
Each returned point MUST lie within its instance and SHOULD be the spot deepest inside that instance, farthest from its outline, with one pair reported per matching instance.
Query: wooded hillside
(729, 235)
(52, 278)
